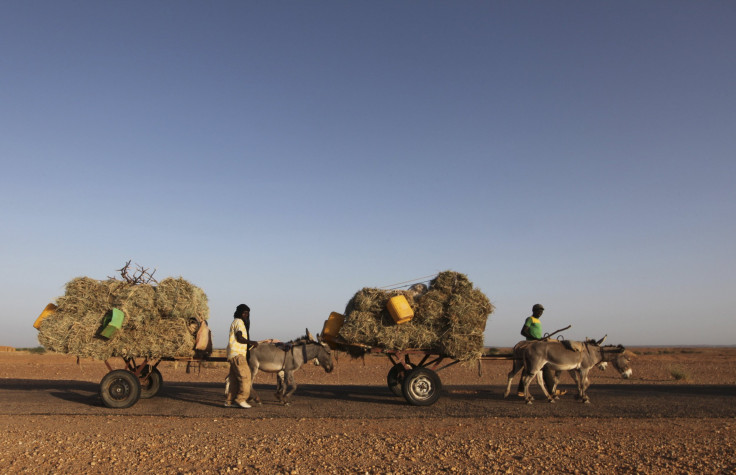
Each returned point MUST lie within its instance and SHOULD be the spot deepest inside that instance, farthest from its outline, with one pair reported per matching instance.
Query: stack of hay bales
(449, 318)
(160, 321)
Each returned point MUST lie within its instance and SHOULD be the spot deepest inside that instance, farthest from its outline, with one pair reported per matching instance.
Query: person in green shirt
(532, 330)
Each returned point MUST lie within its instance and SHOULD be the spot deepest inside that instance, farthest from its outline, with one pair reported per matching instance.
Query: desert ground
(675, 415)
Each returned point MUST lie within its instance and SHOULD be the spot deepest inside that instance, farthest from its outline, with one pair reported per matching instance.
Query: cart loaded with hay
(422, 331)
(134, 319)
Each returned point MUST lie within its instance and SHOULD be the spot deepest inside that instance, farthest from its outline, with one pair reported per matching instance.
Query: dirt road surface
(676, 415)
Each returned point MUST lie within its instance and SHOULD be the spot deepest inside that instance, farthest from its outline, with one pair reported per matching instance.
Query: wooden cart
(141, 379)
(414, 372)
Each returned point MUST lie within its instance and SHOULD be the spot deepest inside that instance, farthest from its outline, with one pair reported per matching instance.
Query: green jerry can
(112, 322)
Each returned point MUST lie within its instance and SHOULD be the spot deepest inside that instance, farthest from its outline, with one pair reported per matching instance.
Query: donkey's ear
(309, 335)
(599, 342)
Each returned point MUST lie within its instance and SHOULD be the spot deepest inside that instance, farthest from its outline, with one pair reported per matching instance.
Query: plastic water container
(400, 309)
(50, 309)
(112, 322)
(333, 325)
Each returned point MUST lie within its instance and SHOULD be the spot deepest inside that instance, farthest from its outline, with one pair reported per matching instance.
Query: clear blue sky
(287, 154)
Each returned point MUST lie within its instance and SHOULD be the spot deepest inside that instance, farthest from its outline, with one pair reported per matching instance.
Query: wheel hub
(119, 389)
(422, 387)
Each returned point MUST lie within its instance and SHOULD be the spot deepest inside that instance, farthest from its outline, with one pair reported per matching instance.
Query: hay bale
(160, 321)
(177, 298)
(449, 318)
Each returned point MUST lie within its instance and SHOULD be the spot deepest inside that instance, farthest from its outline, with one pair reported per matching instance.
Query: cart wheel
(395, 379)
(421, 387)
(120, 389)
(150, 385)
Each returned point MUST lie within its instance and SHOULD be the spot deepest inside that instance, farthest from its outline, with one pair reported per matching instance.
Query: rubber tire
(120, 389)
(421, 387)
(152, 384)
(395, 379)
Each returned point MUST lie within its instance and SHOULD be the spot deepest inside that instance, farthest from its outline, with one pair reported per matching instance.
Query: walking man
(237, 354)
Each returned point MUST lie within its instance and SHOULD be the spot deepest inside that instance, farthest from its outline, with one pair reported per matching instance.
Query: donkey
(284, 359)
(534, 355)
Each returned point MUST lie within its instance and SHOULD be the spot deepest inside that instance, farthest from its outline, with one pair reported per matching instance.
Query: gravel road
(348, 422)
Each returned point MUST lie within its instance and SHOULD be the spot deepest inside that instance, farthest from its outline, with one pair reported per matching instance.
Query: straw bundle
(160, 321)
(449, 318)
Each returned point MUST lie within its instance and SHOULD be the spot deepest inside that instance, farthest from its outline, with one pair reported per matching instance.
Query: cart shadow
(206, 394)
(366, 394)
(626, 396)
(92, 400)
(81, 392)
(213, 394)
(46, 384)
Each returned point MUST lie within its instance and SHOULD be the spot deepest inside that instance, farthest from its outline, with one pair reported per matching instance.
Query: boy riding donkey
(532, 331)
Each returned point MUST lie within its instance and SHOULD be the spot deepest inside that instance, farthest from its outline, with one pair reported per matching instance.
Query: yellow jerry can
(332, 325)
(400, 309)
(50, 309)
(331, 328)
